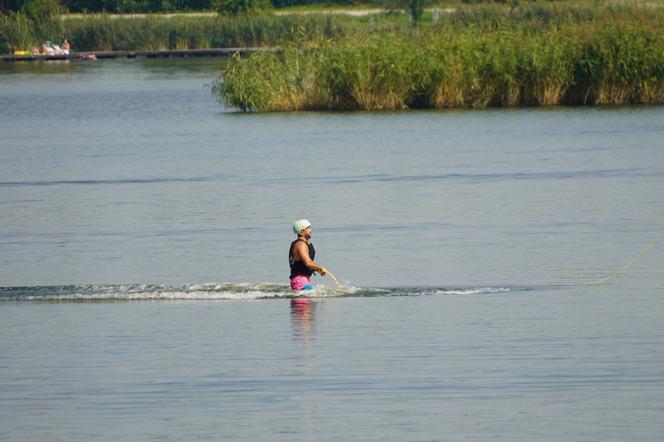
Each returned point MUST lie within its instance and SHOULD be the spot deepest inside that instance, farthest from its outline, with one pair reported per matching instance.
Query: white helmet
(300, 225)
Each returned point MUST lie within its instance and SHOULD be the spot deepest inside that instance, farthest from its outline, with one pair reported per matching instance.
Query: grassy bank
(620, 64)
(103, 33)
(157, 31)
(487, 56)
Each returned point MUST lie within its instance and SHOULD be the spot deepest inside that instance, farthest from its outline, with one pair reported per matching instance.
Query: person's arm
(303, 253)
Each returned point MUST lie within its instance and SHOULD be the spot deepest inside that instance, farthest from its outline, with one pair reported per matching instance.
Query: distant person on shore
(301, 257)
(47, 49)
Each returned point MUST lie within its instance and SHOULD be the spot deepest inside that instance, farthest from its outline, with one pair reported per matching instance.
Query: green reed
(620, 65)
(617, 64)
(154, 32)
(555, 13)
(18, 31)
(269, 81)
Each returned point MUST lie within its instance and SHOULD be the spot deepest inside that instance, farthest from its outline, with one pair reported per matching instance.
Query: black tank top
(297, 267)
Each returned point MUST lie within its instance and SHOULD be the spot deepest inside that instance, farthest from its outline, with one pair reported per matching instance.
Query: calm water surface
(143, 234)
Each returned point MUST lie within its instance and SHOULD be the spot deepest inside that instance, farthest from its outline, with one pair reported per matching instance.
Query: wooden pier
(174, 53)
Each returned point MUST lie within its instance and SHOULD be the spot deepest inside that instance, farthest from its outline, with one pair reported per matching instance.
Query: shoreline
(168, 53)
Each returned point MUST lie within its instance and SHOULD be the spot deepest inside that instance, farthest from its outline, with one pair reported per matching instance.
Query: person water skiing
(301, 257)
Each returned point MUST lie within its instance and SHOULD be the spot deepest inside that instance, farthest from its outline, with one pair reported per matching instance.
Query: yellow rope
(601, 281)
(622, 269)
(327, 272)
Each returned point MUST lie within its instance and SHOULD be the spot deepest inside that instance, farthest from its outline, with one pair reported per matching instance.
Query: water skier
(301, 257)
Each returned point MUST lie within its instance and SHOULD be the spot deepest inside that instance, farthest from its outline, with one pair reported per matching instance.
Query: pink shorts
(300, 282)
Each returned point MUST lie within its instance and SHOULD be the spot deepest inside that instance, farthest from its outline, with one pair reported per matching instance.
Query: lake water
(143, 273)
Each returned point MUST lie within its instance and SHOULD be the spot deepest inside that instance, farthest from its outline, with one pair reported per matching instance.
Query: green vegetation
(614, 65)
(147, 6)
(236, 7)
(34, 21)
(542, 54)
(486, 54)
(29, 23)
(153, 33)
(103, 33)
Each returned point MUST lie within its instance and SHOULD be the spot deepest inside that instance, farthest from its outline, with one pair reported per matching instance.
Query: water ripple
(91, 182)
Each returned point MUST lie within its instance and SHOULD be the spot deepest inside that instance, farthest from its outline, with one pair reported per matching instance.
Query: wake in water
(228, 291)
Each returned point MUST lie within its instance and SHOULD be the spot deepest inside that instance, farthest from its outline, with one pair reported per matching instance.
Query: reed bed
(540, 53)
(105, 33)
(556, 13)
(96, 33)
(619, 63)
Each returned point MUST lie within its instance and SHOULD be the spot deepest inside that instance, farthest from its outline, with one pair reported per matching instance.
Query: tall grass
(378, 74)
(618, 64)
(18, 31)
(272, 81)
(103, 32)
(96, 33)
(556, 13)
(540, 53)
